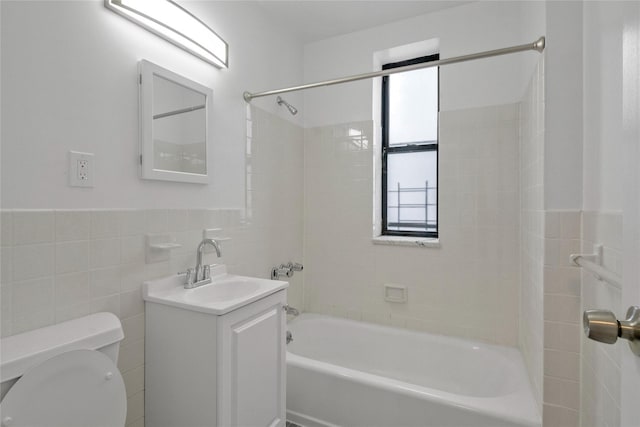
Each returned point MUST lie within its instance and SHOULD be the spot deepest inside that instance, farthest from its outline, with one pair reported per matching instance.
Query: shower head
(293, 110)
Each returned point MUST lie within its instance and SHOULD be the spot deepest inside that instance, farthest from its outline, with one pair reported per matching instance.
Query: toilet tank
(21, 352)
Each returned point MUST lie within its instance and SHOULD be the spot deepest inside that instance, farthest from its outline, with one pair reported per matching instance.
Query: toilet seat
(74, 389)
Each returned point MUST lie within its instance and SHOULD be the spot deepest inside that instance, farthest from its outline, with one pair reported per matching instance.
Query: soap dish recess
(395, 293)
(158, 247)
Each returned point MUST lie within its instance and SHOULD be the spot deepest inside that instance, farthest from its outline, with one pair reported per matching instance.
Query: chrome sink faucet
(201, 274)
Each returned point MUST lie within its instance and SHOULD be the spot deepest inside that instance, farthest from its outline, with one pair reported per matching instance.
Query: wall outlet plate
(81, 169)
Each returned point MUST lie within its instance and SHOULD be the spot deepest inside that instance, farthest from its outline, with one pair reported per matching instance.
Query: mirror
(174, 131)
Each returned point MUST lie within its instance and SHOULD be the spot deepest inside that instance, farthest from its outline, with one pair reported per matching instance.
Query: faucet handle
(295, 266)
(206, 272)
(278, 272)
(190, 275)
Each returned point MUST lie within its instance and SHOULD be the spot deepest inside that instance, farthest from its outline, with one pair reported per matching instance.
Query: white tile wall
(63, 264)
(562, 317)
(69, 264)
(275, 185)
(532, 228)
(600, 373)
(474, 271)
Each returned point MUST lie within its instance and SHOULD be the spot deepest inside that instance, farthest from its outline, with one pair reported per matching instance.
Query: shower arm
(537, 45)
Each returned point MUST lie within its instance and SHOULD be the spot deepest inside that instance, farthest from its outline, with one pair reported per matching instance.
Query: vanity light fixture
(177, 25)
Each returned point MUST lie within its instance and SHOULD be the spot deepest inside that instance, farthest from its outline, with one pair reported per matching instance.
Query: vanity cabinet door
(251, 390)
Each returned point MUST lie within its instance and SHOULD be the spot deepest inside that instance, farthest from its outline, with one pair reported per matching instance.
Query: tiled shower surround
(468, 285)
(62, 264)
(531, 333)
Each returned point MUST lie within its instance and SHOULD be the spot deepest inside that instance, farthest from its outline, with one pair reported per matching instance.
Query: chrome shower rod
(537, 45)
(180, 111)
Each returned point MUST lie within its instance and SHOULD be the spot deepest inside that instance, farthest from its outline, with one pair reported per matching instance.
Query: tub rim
(520, 404)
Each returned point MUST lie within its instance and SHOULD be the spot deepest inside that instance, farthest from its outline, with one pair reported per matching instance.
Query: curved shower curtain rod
(537, 45)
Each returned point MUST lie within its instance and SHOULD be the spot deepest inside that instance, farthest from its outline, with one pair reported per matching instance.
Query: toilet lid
(74, 389)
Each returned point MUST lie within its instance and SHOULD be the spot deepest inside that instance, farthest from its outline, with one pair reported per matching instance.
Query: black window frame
(415, 146)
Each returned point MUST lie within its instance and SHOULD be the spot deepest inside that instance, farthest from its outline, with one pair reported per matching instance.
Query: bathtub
(348, 373)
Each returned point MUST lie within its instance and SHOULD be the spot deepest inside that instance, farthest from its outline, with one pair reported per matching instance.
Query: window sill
(419, 242)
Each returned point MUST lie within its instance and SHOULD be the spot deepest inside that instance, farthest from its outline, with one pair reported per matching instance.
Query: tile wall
(600, 373)
(274, 197)
(532, 229)
(549, 330)
(562, 319)
(468, 285)
(62, 264)
(59, 265)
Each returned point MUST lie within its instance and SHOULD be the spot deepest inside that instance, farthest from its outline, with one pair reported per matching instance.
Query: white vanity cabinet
(252, 364)
(216, 370)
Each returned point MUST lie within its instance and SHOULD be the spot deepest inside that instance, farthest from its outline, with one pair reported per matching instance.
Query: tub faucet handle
(282, 270)
(295, 266)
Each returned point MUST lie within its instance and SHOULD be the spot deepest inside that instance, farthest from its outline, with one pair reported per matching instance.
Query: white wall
(610, 374)
(563, 99)
(465, 29)
(531, 331)
(603, 144)
(631, 207)
(479, 177)
(69, 83)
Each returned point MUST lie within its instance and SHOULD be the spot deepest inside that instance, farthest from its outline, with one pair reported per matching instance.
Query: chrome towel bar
(593, 264)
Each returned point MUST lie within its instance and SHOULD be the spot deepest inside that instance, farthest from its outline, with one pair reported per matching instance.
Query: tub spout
(291, 310)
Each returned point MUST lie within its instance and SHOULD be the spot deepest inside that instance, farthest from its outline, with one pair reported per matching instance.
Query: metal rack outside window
(401, 224)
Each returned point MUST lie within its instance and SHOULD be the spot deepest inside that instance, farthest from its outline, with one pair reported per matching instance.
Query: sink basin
(225, 293)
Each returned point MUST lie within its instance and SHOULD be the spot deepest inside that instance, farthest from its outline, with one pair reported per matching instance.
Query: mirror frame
(146, 71)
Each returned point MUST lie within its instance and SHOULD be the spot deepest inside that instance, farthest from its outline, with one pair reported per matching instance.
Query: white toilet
(64, 375)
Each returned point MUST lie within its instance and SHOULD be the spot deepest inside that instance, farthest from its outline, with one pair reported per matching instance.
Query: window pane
(412, 181)
(413, 106)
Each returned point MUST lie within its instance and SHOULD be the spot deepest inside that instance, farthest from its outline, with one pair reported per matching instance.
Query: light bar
(177, 25)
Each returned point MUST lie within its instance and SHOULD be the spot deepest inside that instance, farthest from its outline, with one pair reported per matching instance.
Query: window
(410, 104)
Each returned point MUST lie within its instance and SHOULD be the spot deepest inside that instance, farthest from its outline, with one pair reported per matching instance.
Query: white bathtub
(347, 373)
